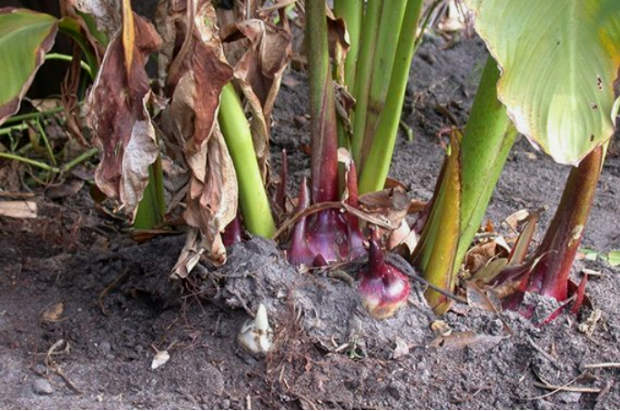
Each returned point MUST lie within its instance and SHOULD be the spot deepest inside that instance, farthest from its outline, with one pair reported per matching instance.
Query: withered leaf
(338, 43)
(53, 313)
(259, 75)
(212, 203)
(391, 204)
(196, 77)
(264, 61)
(120, 120)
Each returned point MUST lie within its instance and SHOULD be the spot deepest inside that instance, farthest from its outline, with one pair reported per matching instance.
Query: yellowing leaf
(559, 60)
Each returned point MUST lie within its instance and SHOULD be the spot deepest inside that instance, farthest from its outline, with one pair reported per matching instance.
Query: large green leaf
(25, 37)
(559, 59)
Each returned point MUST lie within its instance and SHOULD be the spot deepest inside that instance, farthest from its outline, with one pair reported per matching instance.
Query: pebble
(105, 347)
(41, 386)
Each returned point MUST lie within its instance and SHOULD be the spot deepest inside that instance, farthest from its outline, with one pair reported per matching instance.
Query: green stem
(8, 130)
(375, 172)
(72, 29)
(464, 189)
(252, 195)
(324, 134)
(488, 138)
(387, 42)
(363, 73)
(66, 167)
(352, 11)
(80, 159)
(64, 57)
(46, 142)
(26, 160)
(152, 207)
(35, 114)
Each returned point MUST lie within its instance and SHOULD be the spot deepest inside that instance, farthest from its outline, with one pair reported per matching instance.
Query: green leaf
(559, 59)
(25, 38)
(614, 258)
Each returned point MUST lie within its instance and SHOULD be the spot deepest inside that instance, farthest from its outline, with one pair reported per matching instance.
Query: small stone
(105, 347)
(225, 404)
(42, 387)
(569, 397)
(544, 405)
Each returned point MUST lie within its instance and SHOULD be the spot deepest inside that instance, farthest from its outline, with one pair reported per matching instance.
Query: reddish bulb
(383, 288)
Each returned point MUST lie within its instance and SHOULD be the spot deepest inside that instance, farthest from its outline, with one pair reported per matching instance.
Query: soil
(84, 309)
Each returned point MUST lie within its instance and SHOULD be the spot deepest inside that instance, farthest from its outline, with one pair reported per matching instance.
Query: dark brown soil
(119, 307)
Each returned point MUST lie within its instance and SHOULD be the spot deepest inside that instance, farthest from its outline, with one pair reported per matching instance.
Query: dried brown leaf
(480, 255)
(338, 43)
(265, 60)
(195, 79)
(403, 235)
(515, 218)
(441, 328)
(53, 313)
(259, 75)
(212, 203)
(390, 205)
(120, 120)
(18, 209)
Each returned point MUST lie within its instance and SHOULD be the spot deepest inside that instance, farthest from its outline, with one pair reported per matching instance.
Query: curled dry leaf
(478, 298)
(390, 205)
(515, 218)
(194, 82)
(403, 237)
(441, 328)
(481, 254)
(338, 43)
(120, 120)
(265, 60)
(259, 75)
(53, 313)
(189, 256)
